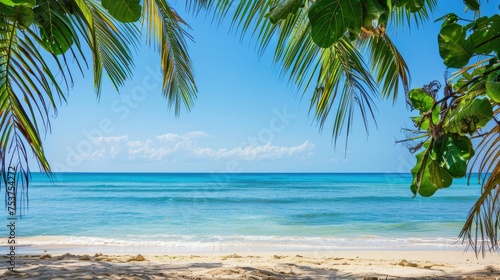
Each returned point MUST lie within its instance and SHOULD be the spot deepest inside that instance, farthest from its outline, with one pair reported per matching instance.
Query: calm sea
(212, 212)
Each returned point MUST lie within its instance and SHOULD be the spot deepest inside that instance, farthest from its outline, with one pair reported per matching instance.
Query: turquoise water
(218, 212)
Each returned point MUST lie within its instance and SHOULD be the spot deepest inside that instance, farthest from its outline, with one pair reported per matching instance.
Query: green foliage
(415, 5)
(452, 152)
(283, 9)
(493, 87)
(469, 116)
(38, 40)
(12, 3)
(424, 102)
(55, 27)
(422, 183)
(438, 176)
(472, 4)
(486, 34)
(454, 48)
(330, 19)
(374, 10)
(123, 10)
(421, 100)
(22, 15)
(470, 103)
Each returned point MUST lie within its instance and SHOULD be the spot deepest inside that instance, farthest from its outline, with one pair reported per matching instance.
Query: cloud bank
(173, 147)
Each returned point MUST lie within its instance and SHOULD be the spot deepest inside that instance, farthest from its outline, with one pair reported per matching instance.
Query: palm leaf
(109, 40)
(480, 230)
(343, 77)
(303, 62)
(28, 93)
(400, 16)
(387, 64)
(165, 28)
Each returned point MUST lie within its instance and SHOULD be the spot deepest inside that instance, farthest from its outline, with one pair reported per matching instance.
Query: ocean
(225, 212)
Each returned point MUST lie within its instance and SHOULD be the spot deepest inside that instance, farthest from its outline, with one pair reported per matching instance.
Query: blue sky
(246, 119)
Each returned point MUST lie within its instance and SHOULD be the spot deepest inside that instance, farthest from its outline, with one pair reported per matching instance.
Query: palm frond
(387, 64)
(339, 73)
(165, 27)
(480, 230)
(28, 93)
(401, 16)
(109, 40)
(343, 77)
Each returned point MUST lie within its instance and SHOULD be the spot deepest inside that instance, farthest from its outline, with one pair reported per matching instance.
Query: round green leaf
(421, 100)
(452, 153)
(454, 48)
(427, 188)
(55, 28)
(123, 10)
(330, 18)
(438, 176)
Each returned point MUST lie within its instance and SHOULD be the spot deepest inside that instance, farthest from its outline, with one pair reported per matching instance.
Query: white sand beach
(297, 265)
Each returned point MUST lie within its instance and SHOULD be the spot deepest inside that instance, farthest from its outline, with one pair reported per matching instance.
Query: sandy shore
(297, 265)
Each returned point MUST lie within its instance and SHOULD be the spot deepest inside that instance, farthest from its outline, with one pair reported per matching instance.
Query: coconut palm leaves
(33, 80)
(29, 90)
(334, 74)
(165, 27)
(109, 41)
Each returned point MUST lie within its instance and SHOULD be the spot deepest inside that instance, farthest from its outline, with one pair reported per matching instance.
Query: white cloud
(251, 152)
(171, 137)
(196, 134)
(171, 147)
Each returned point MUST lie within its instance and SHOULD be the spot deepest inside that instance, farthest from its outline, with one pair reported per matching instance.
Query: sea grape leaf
(452, 153)
(421, 100)
(427, 188)
(330, 18)
(123, 10)
(55, 28)
(424, 124)
(373, 10)
(493, 87)
(472, 4)
(486, 34)
(438, 176)
(22, 14)
(283, 9)
(12, 3)
(454, 48)
(469, 116)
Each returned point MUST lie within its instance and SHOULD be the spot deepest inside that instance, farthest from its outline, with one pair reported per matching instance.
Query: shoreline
(355, 264)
